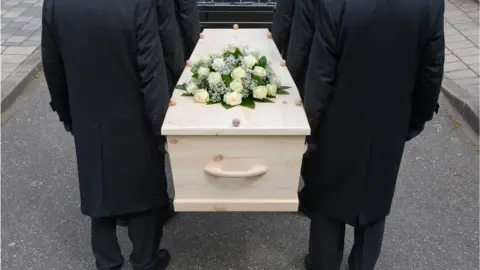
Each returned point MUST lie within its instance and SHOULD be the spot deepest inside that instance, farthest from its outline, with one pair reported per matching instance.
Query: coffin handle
(256, 170)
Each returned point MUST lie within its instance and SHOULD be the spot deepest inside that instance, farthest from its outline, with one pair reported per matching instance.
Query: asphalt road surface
(433, 225)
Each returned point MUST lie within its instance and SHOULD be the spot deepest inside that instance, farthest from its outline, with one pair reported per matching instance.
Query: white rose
(232, 48)
(203, 72)
(206, 58)
(218, 64)
(250, 61)
(214, 78)
(201, 96)
(236, 86)
(232, 98)
(278, 82)
(250, 50)
(260, 92)
(272, 89)
(238, 73)
(191, 88)
(259, 71)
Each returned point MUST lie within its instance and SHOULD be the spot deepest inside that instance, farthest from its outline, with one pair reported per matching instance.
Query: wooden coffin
(238, 159)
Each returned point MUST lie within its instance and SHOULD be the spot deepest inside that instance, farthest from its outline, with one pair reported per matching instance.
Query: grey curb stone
(465, 104)
(16, 83)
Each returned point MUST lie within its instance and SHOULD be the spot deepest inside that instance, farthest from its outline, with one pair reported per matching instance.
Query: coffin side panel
(236, 173)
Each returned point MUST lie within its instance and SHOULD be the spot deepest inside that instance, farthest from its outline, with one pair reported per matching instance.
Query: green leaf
(237, 53)
(195, 75)
(265, 100)
(282, 92)
(182, 86)
(262, 61)
(211, 102)
(226, 106)
(260, 81)
(283, 87)
(227, 80)
(187, 95)
(249, 103)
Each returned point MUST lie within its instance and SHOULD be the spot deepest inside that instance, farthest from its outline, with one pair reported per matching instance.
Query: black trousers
(327, 244)
(145, 230)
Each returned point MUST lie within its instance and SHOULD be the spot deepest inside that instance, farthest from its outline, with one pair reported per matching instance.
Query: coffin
(238, 159)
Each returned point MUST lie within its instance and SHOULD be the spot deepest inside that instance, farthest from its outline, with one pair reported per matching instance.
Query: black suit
(375, 73)
(189, 22)
(106, 74)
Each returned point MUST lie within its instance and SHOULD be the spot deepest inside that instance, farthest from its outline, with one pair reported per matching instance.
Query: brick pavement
(462, 57)
(20, 34)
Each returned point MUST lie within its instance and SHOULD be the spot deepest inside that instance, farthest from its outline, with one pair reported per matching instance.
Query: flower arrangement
(237, 76)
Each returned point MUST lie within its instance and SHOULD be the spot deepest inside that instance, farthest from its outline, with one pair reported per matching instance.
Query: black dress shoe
(308, 262)
(163, 259)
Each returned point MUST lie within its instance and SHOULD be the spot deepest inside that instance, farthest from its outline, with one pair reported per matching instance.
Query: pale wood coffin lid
(284, 117)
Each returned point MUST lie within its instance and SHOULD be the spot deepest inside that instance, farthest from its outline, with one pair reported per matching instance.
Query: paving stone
(8, 67)
(448, 67)
(466, 51)
(451, 58)
(451, 31)
(461, 74)
(17, 39)
(455, 38)
(5, 75)
(461, 45)
(471, 59)
(12, 27)
(19, 50)
(475, 67)
(459, 19)
(23, 19)
(31, 43)
(13, 59)
(467, 81)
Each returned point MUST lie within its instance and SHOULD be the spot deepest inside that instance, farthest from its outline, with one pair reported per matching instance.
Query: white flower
(191, 88)
(232, 48)
(206, 58)
(238, 73)
(236, 86)
(201, 96)
(278, 82)
(250, 50)
(232, 98)
(260, 92)
(272, 89)
(218, 64)
(214, 78)
(250, 61)
(259, 71)
(203, 72)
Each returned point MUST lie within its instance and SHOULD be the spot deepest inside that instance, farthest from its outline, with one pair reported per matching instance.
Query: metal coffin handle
(215, 170)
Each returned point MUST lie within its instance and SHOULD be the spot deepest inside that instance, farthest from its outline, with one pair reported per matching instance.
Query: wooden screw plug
(189, 63)
(298, 102)
(202, 35)
(235, 26)
(283, 63)
(269, 35)
(236, 122)
(172, 102)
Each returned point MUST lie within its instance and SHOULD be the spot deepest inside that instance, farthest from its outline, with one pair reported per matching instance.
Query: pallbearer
(105, 71)
(374, 76)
